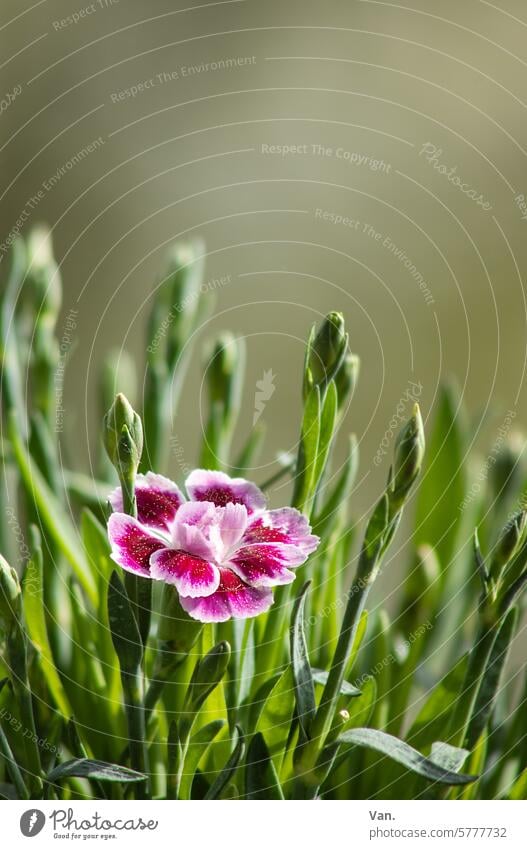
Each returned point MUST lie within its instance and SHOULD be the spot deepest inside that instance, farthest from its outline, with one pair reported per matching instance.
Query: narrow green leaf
(87, 768)
(320, 676)
(448, 757)
(52, 515)
(97, 546)
(480, 563)
(443, 483)
(360, 708)
(249, 452)
(222, 780)
(519, 788)
(404, 754)
(357, 642)
(341, 491)
(376, 531)
(328, 419)
(33, 593)
(123, 626)
(10, 366)
(12, 766)
(303, 679)
(303, 490)
(475, 765)
(275, 717)
(490, 683)
(261, 780)
(8, 792)
(198, 747)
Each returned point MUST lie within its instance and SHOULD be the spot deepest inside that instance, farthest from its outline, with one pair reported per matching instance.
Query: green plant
(111, 689)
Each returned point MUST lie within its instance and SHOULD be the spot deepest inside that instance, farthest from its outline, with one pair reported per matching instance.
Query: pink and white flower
(221, 548)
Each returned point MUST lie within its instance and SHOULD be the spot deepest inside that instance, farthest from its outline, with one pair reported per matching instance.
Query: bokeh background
(260, 126)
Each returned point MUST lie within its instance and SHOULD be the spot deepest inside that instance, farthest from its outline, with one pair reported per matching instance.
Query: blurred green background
(259, 127)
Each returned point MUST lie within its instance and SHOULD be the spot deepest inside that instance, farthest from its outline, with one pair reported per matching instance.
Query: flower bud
(408, 457)
(509, 542)
(44, 275)
(123, 436)
(346, 377)
(507, 474)
(185, 277)
(207, 675)
(223, 370)
(326, 351)
(10, 595)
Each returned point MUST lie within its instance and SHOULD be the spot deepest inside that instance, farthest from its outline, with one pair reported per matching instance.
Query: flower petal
(231, 524)
(192, 576)
(203, 485)
(265, 564)
(132, 544)
(158, 499)
(192, 529)
(285, 525)
(233, 598)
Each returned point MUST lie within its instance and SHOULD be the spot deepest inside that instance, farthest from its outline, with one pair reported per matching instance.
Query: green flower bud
(207, 675)
(326, 351)
(508, 472)
(10, 596)
(408, 457)
(43, 275)
(346, 377)
(185, 270)
(222, 370)
(509, 542)
(123, 437)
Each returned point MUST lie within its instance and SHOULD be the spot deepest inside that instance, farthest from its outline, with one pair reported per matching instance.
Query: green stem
(135, 714)
(477, 665)
(12, 767)
(17, 662)
(281, 473)
(326, 709)
(134, 686)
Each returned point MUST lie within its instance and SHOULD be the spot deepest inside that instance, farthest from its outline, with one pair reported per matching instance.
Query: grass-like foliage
(112, 686)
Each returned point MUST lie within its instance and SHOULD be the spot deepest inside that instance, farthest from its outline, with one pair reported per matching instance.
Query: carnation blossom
(221, 548)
